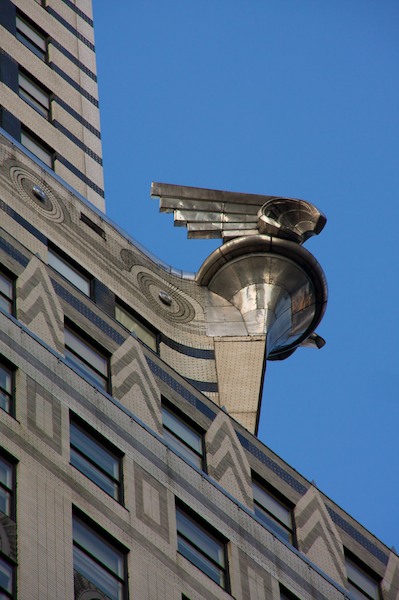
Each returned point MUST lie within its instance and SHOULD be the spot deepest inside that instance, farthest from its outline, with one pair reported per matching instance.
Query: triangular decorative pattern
(390, 583)
(318, 537)
(134, 385)
(226, 460)
(38, 306)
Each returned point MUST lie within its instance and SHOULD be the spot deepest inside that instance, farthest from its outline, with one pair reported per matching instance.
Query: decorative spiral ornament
(47, 205)
(179, 311)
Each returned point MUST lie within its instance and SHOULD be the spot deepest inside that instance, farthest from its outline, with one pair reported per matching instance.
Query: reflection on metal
(261, 269)
(295, 220)
(266, 289)
(39, 193)
(165, 298)
(278, 287)
(214, 214)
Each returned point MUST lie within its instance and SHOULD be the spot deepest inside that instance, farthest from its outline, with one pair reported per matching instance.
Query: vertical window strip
(7, 579)
(34, 95)
(7, 296)
(183, 437)
(7, 485)
(273, 512)
(98, 560)
(202, 547)
(87, 359)
(362, 585)
(37, 148)
(71, 273)
(6, 388)
(91, 456)
(31, 37)
(143, 333)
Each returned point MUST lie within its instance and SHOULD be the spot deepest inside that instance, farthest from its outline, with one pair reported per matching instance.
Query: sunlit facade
(130, 391)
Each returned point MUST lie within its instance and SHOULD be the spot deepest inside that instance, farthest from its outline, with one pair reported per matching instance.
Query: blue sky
(286, 98)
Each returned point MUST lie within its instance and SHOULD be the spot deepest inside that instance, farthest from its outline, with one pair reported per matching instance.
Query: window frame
(91, 372)
(103, 444)
(71, 265)
(265, 514)
(46, 154)
(286, 594)
(176, 441)
(208, 532)
(140, 321)
(7, 275)
(10, 462)
(105, 540)
(364, 571)
(29, 91)
(8, 394)
(29, 41)
(11, 564)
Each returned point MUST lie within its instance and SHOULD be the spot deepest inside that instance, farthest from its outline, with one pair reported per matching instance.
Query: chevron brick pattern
(38, 306)
(134, 385)
(390, 583)
(226, 460)
(318, 537)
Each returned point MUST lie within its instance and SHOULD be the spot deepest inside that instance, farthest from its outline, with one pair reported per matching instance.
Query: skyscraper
(129, 391)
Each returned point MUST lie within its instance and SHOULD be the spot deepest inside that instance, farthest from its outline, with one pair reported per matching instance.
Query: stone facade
(121, 411)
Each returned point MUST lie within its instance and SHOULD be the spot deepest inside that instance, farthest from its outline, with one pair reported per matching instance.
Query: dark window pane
(95, 460)
(43, 153)
(34, 95)
(5, 388)
(31, 37)
(201, 547)
(6, 293)
(184, 438)
(200, 561)
(93, 473)
(68, 271)
(94, 450)
(142, 332)
(97, 575)
(182, 430)
(88, 360)
(276, 515)
(98, 560)
(87, 352)
(361, 583)
(6, 576)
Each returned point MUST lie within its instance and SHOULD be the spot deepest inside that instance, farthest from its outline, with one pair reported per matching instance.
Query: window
(96, 458)
(6, 388)
(86, 358)
(31, 37)
(100, 560)
(7, 293)
(34, 94)
(183, 437)
(202, 546)
(38, 148)
(7, 507)
(362, 584)
(286, 594)
(67, 269)
(7, 579)
(273, 512)
(133, 324)
(7, 488)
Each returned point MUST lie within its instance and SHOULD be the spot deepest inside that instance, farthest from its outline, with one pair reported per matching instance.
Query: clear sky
(290, 98)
